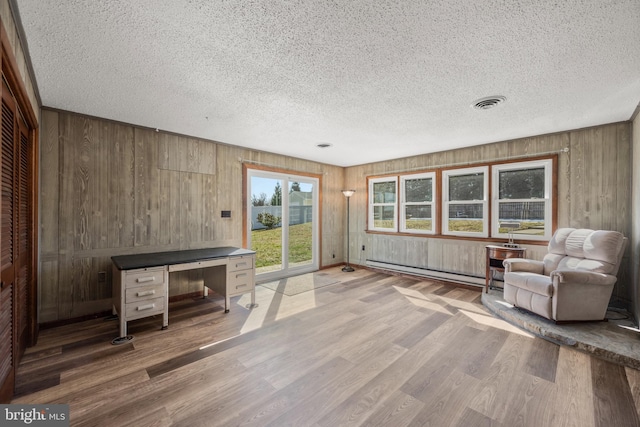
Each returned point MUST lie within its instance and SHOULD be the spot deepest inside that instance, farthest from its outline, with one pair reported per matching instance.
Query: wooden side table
(495, 256)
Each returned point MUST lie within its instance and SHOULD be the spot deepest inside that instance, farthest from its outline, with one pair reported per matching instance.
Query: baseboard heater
(426, 272)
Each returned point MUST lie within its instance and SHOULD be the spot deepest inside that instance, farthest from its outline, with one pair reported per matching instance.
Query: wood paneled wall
(594, 188)
(110, 188)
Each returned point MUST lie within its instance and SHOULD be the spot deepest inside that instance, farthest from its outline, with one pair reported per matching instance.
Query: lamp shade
(348, 193)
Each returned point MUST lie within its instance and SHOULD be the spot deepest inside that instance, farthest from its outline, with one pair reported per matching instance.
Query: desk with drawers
(141, 281)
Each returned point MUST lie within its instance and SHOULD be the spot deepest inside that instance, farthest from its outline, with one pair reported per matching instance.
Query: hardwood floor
(372, 350)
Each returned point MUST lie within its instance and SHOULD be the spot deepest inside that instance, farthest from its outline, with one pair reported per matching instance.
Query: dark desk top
(156, 259)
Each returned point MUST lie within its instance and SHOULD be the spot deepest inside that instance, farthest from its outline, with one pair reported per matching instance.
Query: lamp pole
(348, 194)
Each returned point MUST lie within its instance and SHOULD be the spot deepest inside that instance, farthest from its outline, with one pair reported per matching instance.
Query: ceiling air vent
(488, 102)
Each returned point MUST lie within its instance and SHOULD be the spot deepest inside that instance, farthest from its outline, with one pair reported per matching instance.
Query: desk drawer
(240, 263)
(197, 264)
(144, 277)
(240, 282)
(144, 308)
(142, 293)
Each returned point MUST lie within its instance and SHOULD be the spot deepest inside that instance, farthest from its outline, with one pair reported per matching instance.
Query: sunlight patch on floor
(274, 305)
(257, 314)
(206, 346)
(296, 304)
(420, 302)
(417, 298)
(464, 305)
(489, 320)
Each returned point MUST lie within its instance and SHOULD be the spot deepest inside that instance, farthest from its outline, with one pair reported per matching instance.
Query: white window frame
(548, 197)
(446, 174)
(404, 203)
(373, 205)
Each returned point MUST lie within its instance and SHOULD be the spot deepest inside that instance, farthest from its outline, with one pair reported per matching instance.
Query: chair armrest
(582, 277)
(523, 264)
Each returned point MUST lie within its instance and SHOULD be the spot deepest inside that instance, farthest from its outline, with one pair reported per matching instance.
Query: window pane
(418, 190)
(466, 187)
(384, 192)
(522, 218)
(467, 217)
(418, 218)
(522, 184)
(383, 216)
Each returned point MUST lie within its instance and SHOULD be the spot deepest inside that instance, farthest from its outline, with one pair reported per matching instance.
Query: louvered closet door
(24, 238)
(7, 249)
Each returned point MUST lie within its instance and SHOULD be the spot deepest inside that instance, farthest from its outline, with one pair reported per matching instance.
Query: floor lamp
(348, 194)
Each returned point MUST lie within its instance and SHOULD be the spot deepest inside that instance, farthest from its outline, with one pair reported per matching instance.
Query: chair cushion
(536, 283)
(584, 264)
(574, 245)
(558, 242)
(604, 246)
(583, 249)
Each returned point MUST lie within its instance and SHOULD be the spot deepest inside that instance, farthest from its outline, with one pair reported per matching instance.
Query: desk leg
(165, 313)
(227, 303)
(123, 338)
(253, 299)
(165, 320)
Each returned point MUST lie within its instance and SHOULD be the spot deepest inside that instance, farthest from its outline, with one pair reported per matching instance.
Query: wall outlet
(363, 247)
(102, 276)
(334, 255)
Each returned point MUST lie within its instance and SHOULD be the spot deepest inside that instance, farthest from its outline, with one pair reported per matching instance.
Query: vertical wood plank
(120, 192)
(49, 204)
(146, 192)
(169, 208)
(67, 215)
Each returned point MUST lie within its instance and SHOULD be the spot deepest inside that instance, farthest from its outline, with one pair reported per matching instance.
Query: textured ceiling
(376, 79)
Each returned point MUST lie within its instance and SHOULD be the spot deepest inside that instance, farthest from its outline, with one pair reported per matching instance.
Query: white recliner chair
(575, 279)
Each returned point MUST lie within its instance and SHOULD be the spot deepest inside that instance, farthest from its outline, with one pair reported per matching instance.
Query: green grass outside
(466, 225)
(268, 245)
(419, 224)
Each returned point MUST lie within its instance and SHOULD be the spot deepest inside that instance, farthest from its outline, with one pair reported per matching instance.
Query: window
(522, 200)
(417, 198)
(464, 202)
(383, 204)
(492, 200)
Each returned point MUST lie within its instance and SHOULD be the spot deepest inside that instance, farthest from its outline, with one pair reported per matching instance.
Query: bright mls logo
(34, 415)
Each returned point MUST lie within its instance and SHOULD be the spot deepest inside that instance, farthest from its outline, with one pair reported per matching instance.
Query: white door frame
(286, 179)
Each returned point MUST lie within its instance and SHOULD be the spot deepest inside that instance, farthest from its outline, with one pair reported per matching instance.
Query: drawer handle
(241, 286)
(145, 307)
(145, 293)
(238, 264)
(240, 275)
(145, 279)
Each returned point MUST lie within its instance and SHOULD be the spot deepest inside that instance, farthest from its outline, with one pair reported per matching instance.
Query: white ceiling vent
(488, 102)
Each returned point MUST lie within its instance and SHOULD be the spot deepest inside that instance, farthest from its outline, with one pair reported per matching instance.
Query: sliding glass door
(282, 220)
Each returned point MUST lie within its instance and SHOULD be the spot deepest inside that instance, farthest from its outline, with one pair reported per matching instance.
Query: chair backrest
(583, 249)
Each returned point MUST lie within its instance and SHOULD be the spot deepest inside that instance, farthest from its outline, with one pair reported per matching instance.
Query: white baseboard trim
(425, 272)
